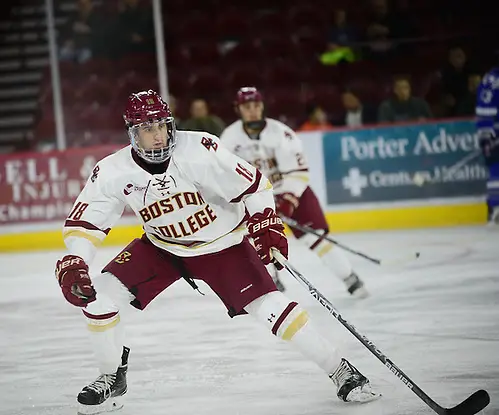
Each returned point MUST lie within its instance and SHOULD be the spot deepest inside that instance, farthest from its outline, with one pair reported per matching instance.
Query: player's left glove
(487, 141)
(286, 204)
(267, 232)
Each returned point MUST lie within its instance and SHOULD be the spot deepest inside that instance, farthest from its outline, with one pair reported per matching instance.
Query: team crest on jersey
(288, 135)
(95, 173)
(123, 257)
(486, 96)
(209, 143)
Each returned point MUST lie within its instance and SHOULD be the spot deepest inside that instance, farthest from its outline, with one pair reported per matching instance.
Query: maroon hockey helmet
(250, 94)
(247, 94)
(143, 110)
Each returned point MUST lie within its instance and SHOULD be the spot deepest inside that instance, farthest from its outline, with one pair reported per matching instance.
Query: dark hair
(347, 89)
(455, 45)
(402, 77)
(311, 107)
(199, 99)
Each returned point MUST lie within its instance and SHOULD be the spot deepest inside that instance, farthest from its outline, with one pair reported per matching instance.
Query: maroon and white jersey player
(196, 202)
(275, 149)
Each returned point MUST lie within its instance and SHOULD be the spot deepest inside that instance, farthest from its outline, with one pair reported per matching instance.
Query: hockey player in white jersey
(196, 202)
(274, 148)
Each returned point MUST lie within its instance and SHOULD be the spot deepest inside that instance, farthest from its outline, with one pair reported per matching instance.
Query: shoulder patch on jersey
(288, 135)
(95, 173)
(209, 143)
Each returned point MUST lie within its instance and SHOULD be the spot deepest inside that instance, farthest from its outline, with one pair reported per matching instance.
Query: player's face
(402, 90)
(251, 111)
(153, 135)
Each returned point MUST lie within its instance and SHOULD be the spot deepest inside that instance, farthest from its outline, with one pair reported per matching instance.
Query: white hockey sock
(290, 322)
(330, 255)
(103, 329)
(103, 321)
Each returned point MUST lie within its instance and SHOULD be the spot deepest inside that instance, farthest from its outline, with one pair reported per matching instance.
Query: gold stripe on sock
(103, 327)
(325, 249)
(295, 325)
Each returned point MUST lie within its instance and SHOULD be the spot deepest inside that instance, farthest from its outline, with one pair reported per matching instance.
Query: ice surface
(436, 318)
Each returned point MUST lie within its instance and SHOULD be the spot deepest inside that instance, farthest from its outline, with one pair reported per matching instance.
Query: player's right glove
(72, 274)
(267, 232)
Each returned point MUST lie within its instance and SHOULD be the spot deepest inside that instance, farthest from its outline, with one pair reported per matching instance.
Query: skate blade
(363, 395)
(111, 405)
(369, 398)
(360, 293)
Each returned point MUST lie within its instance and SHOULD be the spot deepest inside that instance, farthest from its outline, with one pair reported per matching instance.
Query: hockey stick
(308, 229)
(420, 180)
(462, 162)
(470, 406)
(468, 158)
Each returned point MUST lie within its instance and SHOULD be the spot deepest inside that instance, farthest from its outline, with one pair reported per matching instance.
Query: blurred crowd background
(320, 64)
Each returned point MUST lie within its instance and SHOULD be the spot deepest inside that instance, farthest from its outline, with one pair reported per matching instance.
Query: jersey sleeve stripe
(252, 189)
(83, 224)
(486, 112)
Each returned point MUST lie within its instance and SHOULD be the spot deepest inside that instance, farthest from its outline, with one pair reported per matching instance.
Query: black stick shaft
(308, 229)
(363, 339)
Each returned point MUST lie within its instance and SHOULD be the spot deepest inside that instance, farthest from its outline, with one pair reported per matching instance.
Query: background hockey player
(274, 148)
(487, 123)
(193, 198)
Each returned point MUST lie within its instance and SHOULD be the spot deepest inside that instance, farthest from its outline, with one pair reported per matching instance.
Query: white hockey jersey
(277, 153)
(197, 206)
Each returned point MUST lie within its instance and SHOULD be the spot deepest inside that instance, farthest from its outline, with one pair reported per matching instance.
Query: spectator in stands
(341, 42)
(381, 29)
(386, 26)
(356, 113)
(403, 106)
(342, 33)
(316, 119)
(454, 75)
(201, 120)
(134, 31)
(405, 26)
(466, 105)
(82, 34)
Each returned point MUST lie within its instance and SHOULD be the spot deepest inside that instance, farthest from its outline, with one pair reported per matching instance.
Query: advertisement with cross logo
(401, 162)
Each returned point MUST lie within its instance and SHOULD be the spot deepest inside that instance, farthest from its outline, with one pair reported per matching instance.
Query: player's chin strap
(193, 284)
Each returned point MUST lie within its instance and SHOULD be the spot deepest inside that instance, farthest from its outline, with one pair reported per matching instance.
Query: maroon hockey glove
(286, 204)
(267, 232)
(72, 274)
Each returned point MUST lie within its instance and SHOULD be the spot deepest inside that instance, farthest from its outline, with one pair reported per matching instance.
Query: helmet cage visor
(139, 133)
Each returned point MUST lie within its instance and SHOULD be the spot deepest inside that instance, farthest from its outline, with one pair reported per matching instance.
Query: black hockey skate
(355, 286)
(100, 395)
(352, 385)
